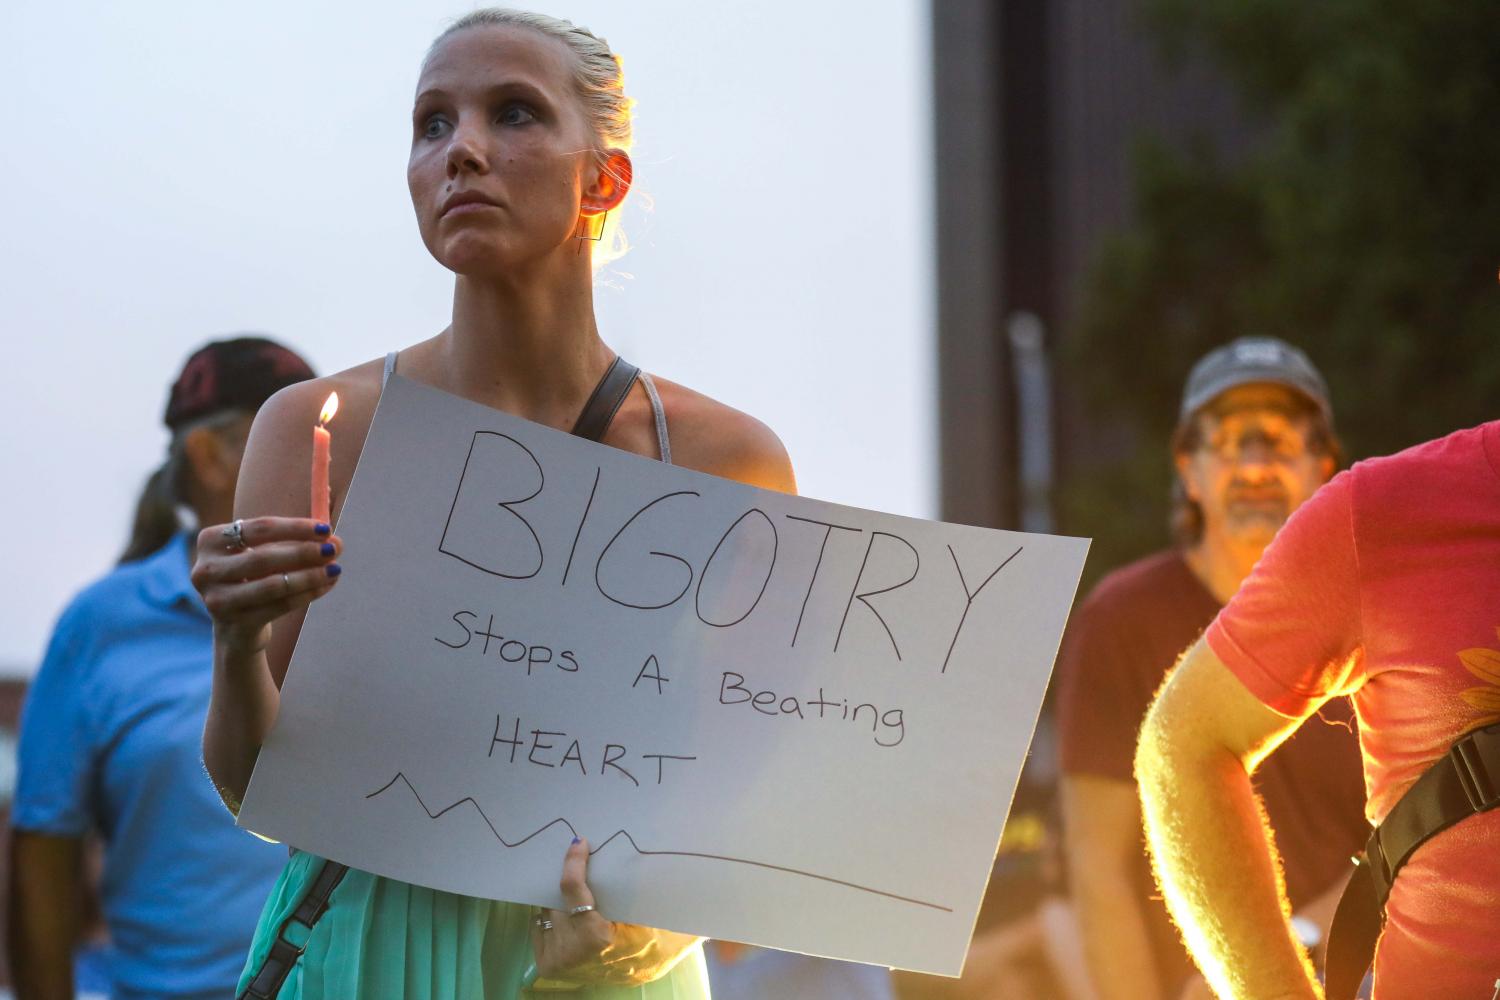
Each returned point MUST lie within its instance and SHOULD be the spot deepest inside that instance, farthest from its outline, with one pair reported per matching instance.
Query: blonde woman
(519, 153)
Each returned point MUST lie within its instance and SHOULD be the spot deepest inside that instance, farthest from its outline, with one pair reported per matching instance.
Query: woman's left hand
(585, 948)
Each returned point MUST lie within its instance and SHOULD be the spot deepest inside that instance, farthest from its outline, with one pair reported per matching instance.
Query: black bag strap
(268, 979)
(603, 403)
(606, 399)
(1463, 782)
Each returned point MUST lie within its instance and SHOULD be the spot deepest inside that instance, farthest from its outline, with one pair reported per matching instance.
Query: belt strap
(1357, 924)
(1465, 781)
(606, 399)
(268, 979)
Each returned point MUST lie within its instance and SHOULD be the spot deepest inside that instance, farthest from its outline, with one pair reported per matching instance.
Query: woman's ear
(207, 470)
(213, 462)
(612, 179)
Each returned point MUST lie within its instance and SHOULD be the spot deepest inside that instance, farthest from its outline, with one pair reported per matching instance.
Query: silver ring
(288, 581)
(585, 908)
(545, 925)
(234, 534)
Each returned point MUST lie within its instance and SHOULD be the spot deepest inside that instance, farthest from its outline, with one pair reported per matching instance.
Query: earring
(590, 230)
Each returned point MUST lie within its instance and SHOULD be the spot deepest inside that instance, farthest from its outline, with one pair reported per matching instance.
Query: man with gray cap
(1254, 440)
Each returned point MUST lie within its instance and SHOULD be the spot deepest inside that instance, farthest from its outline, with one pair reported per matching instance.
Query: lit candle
(322, 497)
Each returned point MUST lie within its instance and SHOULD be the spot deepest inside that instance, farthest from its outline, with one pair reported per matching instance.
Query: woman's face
(501, 154)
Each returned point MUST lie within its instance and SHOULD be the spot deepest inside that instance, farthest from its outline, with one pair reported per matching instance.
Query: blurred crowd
(1307, 673)
(128, 878)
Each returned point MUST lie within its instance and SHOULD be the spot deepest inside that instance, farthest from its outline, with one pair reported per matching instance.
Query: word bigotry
(489, 527)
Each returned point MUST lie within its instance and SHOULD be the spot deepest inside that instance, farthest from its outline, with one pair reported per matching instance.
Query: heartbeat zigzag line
(401, 777)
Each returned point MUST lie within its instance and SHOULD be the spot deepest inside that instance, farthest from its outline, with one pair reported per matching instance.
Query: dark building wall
(1108, 85)
(1039, 106)
(974, 422)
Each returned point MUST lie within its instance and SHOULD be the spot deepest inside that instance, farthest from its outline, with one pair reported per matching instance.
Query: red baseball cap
(236, 374)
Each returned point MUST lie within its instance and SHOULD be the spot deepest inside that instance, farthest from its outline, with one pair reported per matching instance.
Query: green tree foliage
(1364, 227)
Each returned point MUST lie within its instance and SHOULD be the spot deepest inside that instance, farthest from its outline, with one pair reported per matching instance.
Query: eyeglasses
(1281, 445)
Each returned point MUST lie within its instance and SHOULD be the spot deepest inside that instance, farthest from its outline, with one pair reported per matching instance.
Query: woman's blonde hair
(600, 84)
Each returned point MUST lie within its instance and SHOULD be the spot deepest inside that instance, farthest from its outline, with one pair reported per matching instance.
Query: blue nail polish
(321, 529)
(333, 569)
(328, 548)
(576, 840)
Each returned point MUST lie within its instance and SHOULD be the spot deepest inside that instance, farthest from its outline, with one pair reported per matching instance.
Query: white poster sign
(776, 720)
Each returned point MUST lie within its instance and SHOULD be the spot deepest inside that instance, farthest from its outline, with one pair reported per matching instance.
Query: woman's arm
(259, 594)
(46, 884)
(1208, 836)
(1102, 835)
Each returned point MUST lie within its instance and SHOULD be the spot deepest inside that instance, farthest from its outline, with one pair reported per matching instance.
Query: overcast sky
(173, 172)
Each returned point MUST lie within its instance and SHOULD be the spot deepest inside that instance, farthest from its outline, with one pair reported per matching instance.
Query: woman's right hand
(285, 564)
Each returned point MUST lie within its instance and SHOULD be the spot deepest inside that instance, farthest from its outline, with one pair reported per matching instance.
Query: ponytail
(168, 489)
(156, 518)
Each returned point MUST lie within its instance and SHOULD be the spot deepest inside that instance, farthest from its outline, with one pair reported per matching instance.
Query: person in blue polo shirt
(112, 727)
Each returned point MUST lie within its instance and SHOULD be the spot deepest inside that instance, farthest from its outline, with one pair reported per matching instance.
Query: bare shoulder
(713, 437)
(276, 475)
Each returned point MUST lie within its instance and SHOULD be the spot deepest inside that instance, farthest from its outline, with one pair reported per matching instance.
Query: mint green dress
(381, 938)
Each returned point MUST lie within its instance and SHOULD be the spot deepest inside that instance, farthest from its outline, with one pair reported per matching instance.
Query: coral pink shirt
(1386, 586)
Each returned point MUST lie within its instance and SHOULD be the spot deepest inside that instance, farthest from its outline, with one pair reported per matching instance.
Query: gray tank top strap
(663, 442)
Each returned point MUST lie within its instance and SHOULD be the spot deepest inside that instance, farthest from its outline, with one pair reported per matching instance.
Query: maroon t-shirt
(1118, 648)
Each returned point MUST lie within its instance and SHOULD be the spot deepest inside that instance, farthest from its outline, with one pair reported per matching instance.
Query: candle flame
(330, 407)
